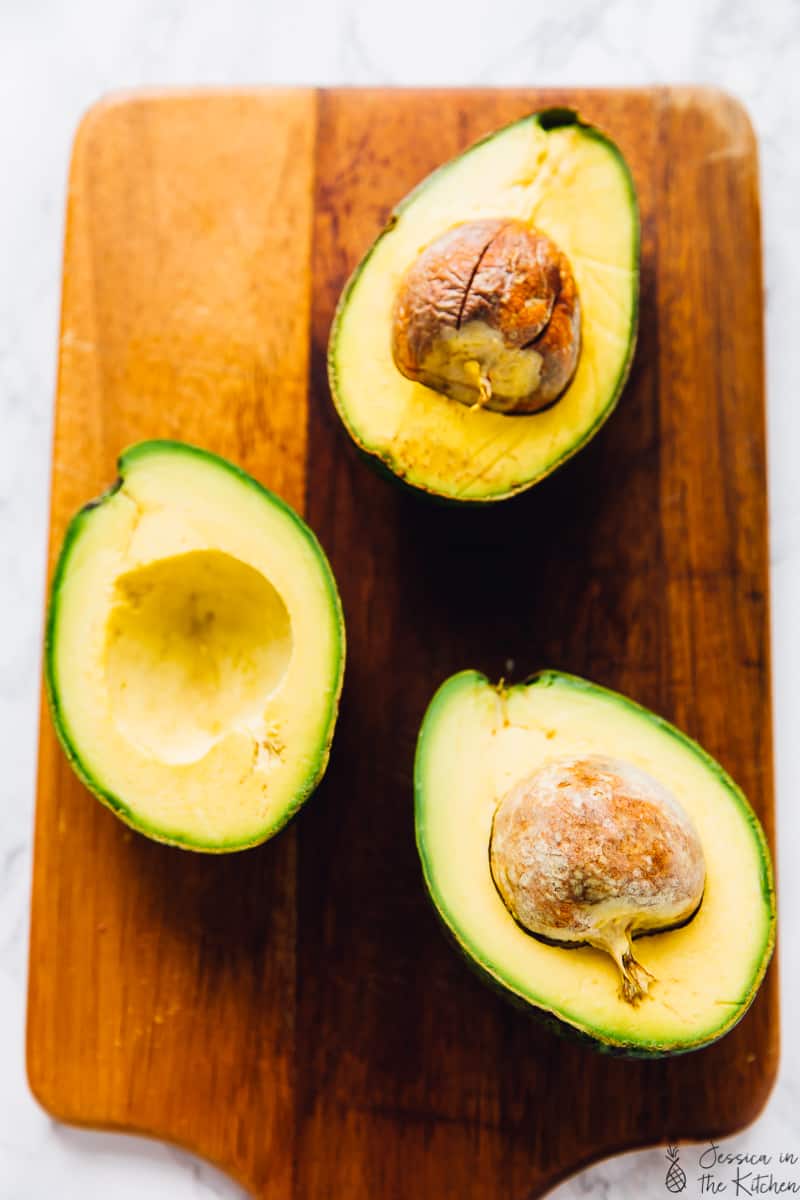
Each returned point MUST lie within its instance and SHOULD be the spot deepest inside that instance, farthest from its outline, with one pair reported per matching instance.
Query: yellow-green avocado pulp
(194, 651)
(571, 182)
(476, 742)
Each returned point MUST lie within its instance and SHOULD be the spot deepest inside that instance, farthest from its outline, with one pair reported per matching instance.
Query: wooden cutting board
(293, 1013)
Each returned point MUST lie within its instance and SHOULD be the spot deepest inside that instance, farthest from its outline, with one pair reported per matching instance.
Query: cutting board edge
(625, 1146)
(99, 1125)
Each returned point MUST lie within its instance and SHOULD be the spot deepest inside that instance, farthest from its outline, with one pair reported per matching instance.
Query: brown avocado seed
(489, 315)
(594, 850)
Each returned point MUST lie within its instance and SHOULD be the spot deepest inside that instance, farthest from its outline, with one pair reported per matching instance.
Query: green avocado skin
(547, 119)
(598, 1039)
(162, 446)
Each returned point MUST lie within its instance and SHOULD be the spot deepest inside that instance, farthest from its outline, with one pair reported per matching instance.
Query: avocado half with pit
(194, 650)
(487, 334)
(556, 822)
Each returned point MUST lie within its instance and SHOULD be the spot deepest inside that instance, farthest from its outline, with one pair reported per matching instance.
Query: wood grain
(293, 1013)
(163, 985)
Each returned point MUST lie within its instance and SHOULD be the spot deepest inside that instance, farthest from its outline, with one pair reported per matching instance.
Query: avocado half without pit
(557, 821)
(488, 332)
(194, 651)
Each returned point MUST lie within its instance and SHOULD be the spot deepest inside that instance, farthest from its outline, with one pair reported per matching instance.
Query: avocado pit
(489, 315)
(594, 850)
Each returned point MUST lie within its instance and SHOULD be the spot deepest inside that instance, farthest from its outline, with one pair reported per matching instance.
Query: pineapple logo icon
(676, 1176)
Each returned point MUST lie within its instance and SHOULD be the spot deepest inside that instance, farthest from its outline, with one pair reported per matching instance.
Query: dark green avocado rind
(75, 529)
(383, 461)
(602, 1040)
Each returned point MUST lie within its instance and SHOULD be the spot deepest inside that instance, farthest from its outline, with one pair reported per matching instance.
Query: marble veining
(55, 59)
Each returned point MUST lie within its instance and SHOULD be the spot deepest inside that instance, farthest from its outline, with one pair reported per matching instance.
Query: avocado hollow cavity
(593, 850)
(195, 645)
(488, 314)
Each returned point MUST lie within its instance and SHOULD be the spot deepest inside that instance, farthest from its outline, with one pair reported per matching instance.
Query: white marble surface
(55, 59)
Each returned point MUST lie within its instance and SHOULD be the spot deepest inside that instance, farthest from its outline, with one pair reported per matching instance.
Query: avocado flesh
(569, 181)
(476, 742)
(195, 650)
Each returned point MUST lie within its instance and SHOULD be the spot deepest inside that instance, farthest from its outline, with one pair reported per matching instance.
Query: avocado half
(476, 742)
(194, 650)
(571, 182)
